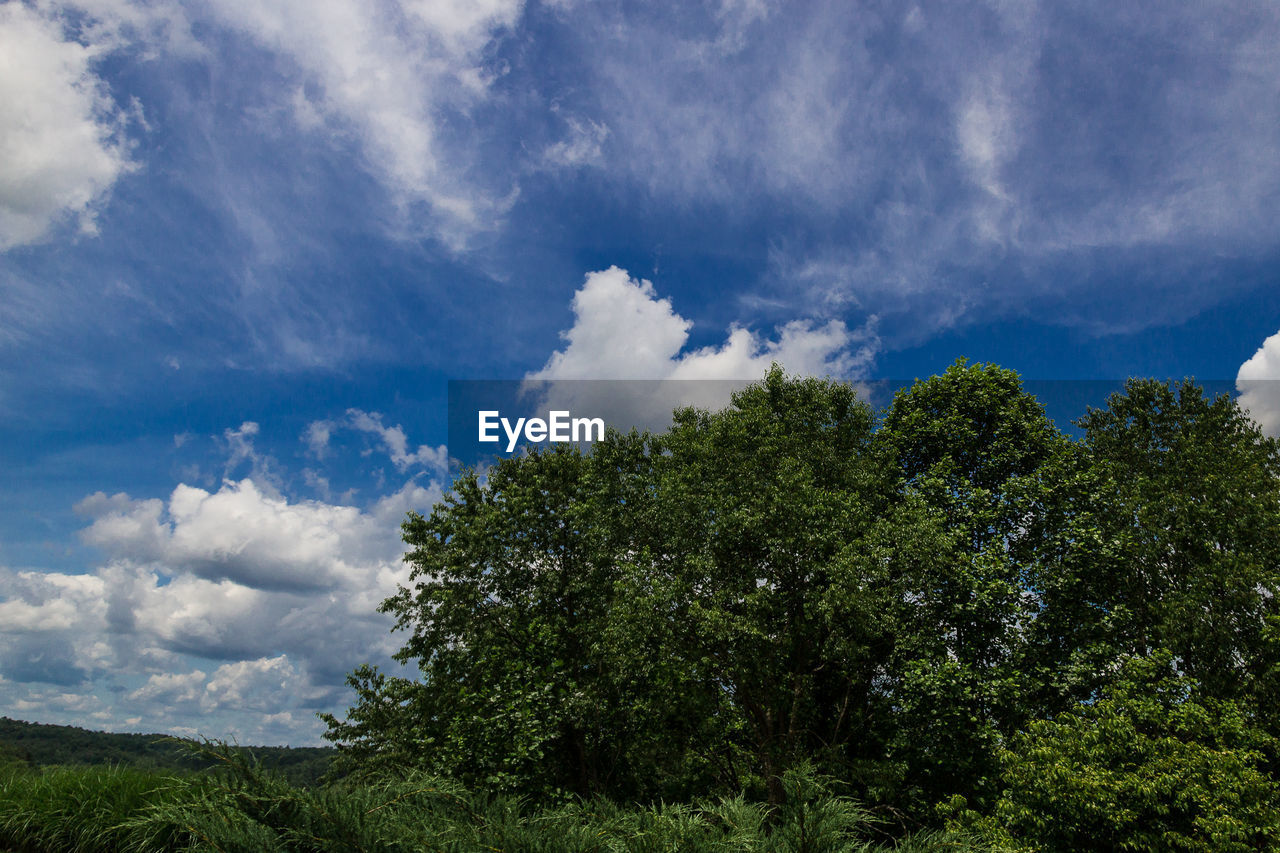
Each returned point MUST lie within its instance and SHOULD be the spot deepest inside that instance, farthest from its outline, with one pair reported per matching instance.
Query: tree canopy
(935, 604)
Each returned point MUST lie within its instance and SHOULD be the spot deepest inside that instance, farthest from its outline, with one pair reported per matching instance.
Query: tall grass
(239, 808)
(75, 809)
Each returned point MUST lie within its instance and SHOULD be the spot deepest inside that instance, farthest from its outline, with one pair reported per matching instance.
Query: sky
(245, 246)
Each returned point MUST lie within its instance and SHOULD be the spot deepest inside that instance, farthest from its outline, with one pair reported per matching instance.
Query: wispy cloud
(934, 161)
(393, 75)
(392, 440)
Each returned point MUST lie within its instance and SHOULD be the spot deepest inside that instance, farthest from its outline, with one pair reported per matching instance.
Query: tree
(756, 507)
(1162, 530)
(657, 616)
(512, 579)
(966, 446)
(947, 606)
(1193, 497)
(1147, 766)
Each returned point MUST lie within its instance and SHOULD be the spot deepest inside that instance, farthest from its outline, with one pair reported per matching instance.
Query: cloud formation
(1258, 382)
(63, 141)
(238, 534)
(623, 330)
(392, 440)
(392, 74)
(948, 163)
(277, 598)
(934, 165)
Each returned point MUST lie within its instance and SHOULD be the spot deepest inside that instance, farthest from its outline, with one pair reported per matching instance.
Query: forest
(42, 745)
(799, 623)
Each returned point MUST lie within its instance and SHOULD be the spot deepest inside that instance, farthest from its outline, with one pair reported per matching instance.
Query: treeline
(43, 745)
(963, 616)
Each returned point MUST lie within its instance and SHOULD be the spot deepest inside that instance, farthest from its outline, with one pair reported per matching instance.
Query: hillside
(41, 744)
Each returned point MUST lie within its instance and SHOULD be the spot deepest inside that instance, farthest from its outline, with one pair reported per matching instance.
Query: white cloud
(623, 330)
(124, 525)
(583, 146)
(62, 137)
(396, 443)
(49, 602)
(263, 685)
(392, 439)
(171, 688)
(391, 74)
(156, 25)
(936, 159)
(263, 468)
(987, 139)
(275, 601)
(317, 437)
(1258, 382)
(239, 533)
(389, 511)
(51, 627)
(399, 77)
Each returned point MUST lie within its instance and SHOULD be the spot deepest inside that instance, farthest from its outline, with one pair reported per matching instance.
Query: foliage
(931, 608)
(1191, 491)
(967, 447)
(1146, 767)
(240, 807)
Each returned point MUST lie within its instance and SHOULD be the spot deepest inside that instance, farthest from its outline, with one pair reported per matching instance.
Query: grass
(241, 808)
(75, 809)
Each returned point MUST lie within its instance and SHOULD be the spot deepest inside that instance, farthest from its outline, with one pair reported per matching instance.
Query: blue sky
(245, 245)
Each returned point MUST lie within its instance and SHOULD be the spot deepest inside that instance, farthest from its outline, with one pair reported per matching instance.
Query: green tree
(950, 605)
(968, 447)
(1160, 530)
(1147, 766)
(658, 617)
(757, 505)
(1193, 505)
(511, 583)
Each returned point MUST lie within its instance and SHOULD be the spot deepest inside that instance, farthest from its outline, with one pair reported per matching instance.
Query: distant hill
(40, 744)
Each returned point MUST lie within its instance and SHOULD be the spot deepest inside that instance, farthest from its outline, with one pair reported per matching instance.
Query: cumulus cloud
(623, 330)
(239, 534)
(62, 136)
(275, 601)
(264, 685)
(41, 627)
(1258, 382)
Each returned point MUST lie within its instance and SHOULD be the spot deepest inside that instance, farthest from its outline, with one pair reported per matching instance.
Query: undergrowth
(239, 808)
